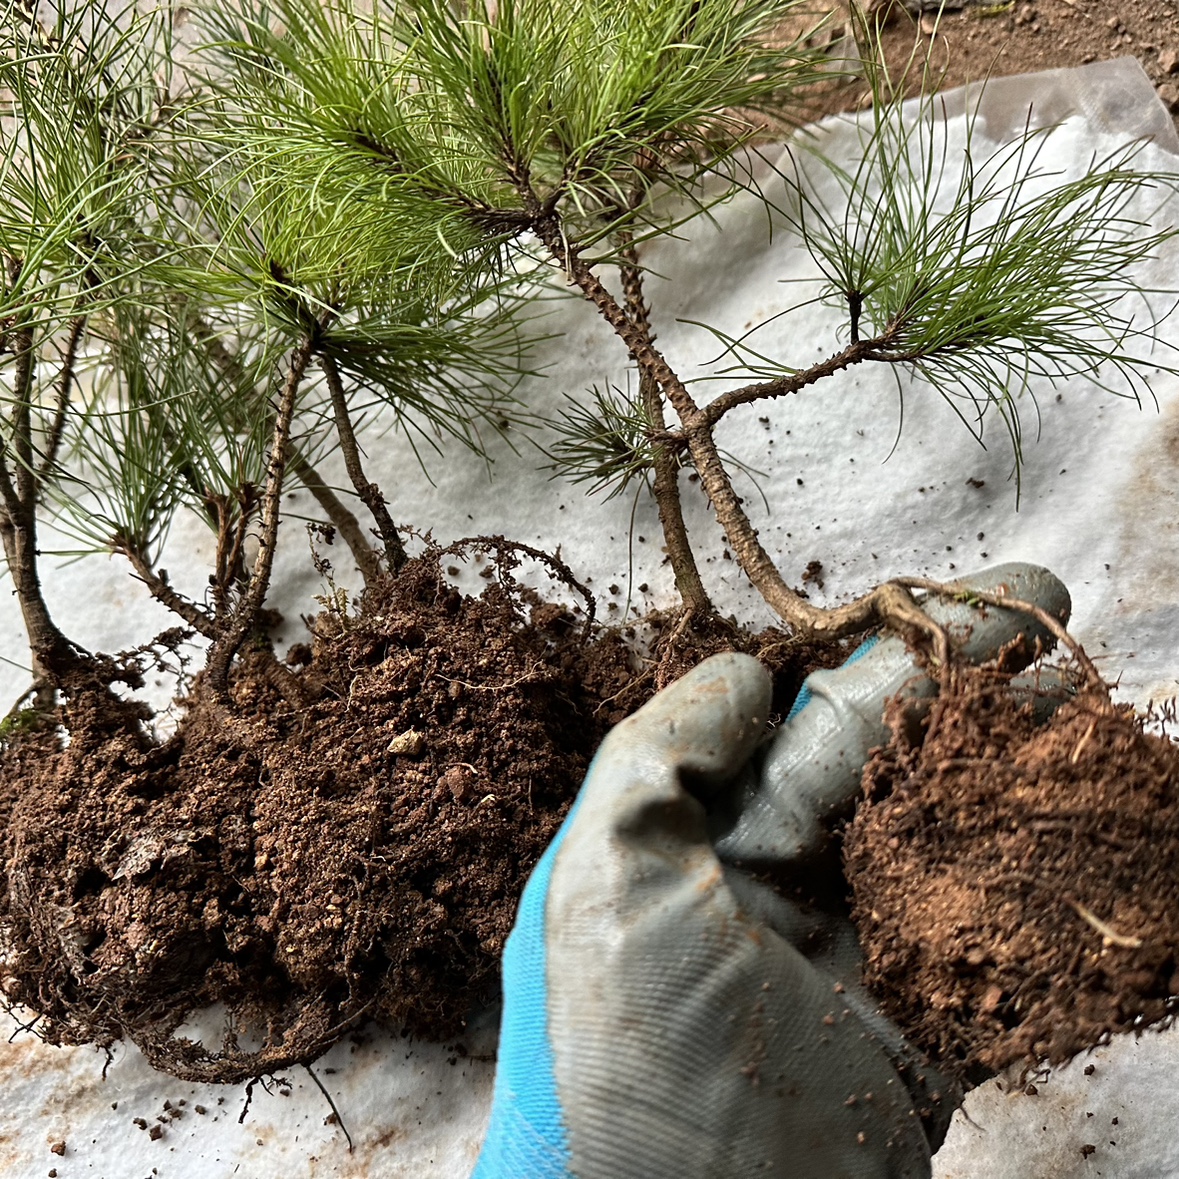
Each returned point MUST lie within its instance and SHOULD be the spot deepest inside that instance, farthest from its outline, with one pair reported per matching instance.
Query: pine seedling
(374, 195)
(167, 300)
(76, 185)
(984, 278)
(587, 128)
(482, 129)
(185, 326)
(215, 276)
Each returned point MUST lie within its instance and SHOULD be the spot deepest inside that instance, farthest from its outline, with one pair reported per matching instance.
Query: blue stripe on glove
(804, 696)
(527, 1138)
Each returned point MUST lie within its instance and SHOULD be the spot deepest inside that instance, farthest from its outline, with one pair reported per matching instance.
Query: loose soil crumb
(1016, 886)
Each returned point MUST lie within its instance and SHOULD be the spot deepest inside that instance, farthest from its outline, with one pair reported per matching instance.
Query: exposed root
(1053, 625)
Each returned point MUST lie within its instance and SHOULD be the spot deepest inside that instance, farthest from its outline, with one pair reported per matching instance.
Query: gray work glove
(666, 1016)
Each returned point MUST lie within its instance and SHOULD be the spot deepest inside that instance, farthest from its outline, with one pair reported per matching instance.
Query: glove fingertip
(709, 721)
(979, 631)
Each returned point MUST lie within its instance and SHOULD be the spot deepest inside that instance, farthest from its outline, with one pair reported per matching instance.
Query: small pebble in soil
(409, 743)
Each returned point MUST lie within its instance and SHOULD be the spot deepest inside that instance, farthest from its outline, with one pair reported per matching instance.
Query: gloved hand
(667, 1016)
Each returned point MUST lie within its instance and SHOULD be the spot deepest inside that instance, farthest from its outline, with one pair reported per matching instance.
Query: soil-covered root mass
(1016, 885)
(358, 853)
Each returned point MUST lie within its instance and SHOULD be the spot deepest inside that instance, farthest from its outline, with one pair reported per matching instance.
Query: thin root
(1053, 625)
(896, 606)
(1075, 756)
(1107, 932)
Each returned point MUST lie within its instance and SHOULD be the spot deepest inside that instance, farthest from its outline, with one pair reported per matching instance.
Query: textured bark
(246, 614)
(665, 483)
(891, 602)
(369, 493)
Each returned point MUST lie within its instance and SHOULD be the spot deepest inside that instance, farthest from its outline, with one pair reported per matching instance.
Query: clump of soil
(1016, 885)
(347, 841)
(351, 846)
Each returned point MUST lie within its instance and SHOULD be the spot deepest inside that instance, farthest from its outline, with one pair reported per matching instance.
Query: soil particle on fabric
(1016, 886)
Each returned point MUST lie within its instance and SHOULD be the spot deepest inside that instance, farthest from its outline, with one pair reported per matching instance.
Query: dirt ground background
(977, 38)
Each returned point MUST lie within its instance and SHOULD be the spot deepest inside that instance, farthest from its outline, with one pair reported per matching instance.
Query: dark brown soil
(977, 38)
(360, 855)
(1016, 887)
(310, 864)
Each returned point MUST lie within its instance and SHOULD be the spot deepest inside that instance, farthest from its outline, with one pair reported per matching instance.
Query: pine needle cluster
(219, 261)
(986, 275)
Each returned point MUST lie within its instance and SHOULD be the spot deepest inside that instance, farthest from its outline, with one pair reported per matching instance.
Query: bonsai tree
(220, 265)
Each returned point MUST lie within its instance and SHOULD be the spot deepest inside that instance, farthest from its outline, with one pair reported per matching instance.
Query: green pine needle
(603, 442)
(985, 277)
